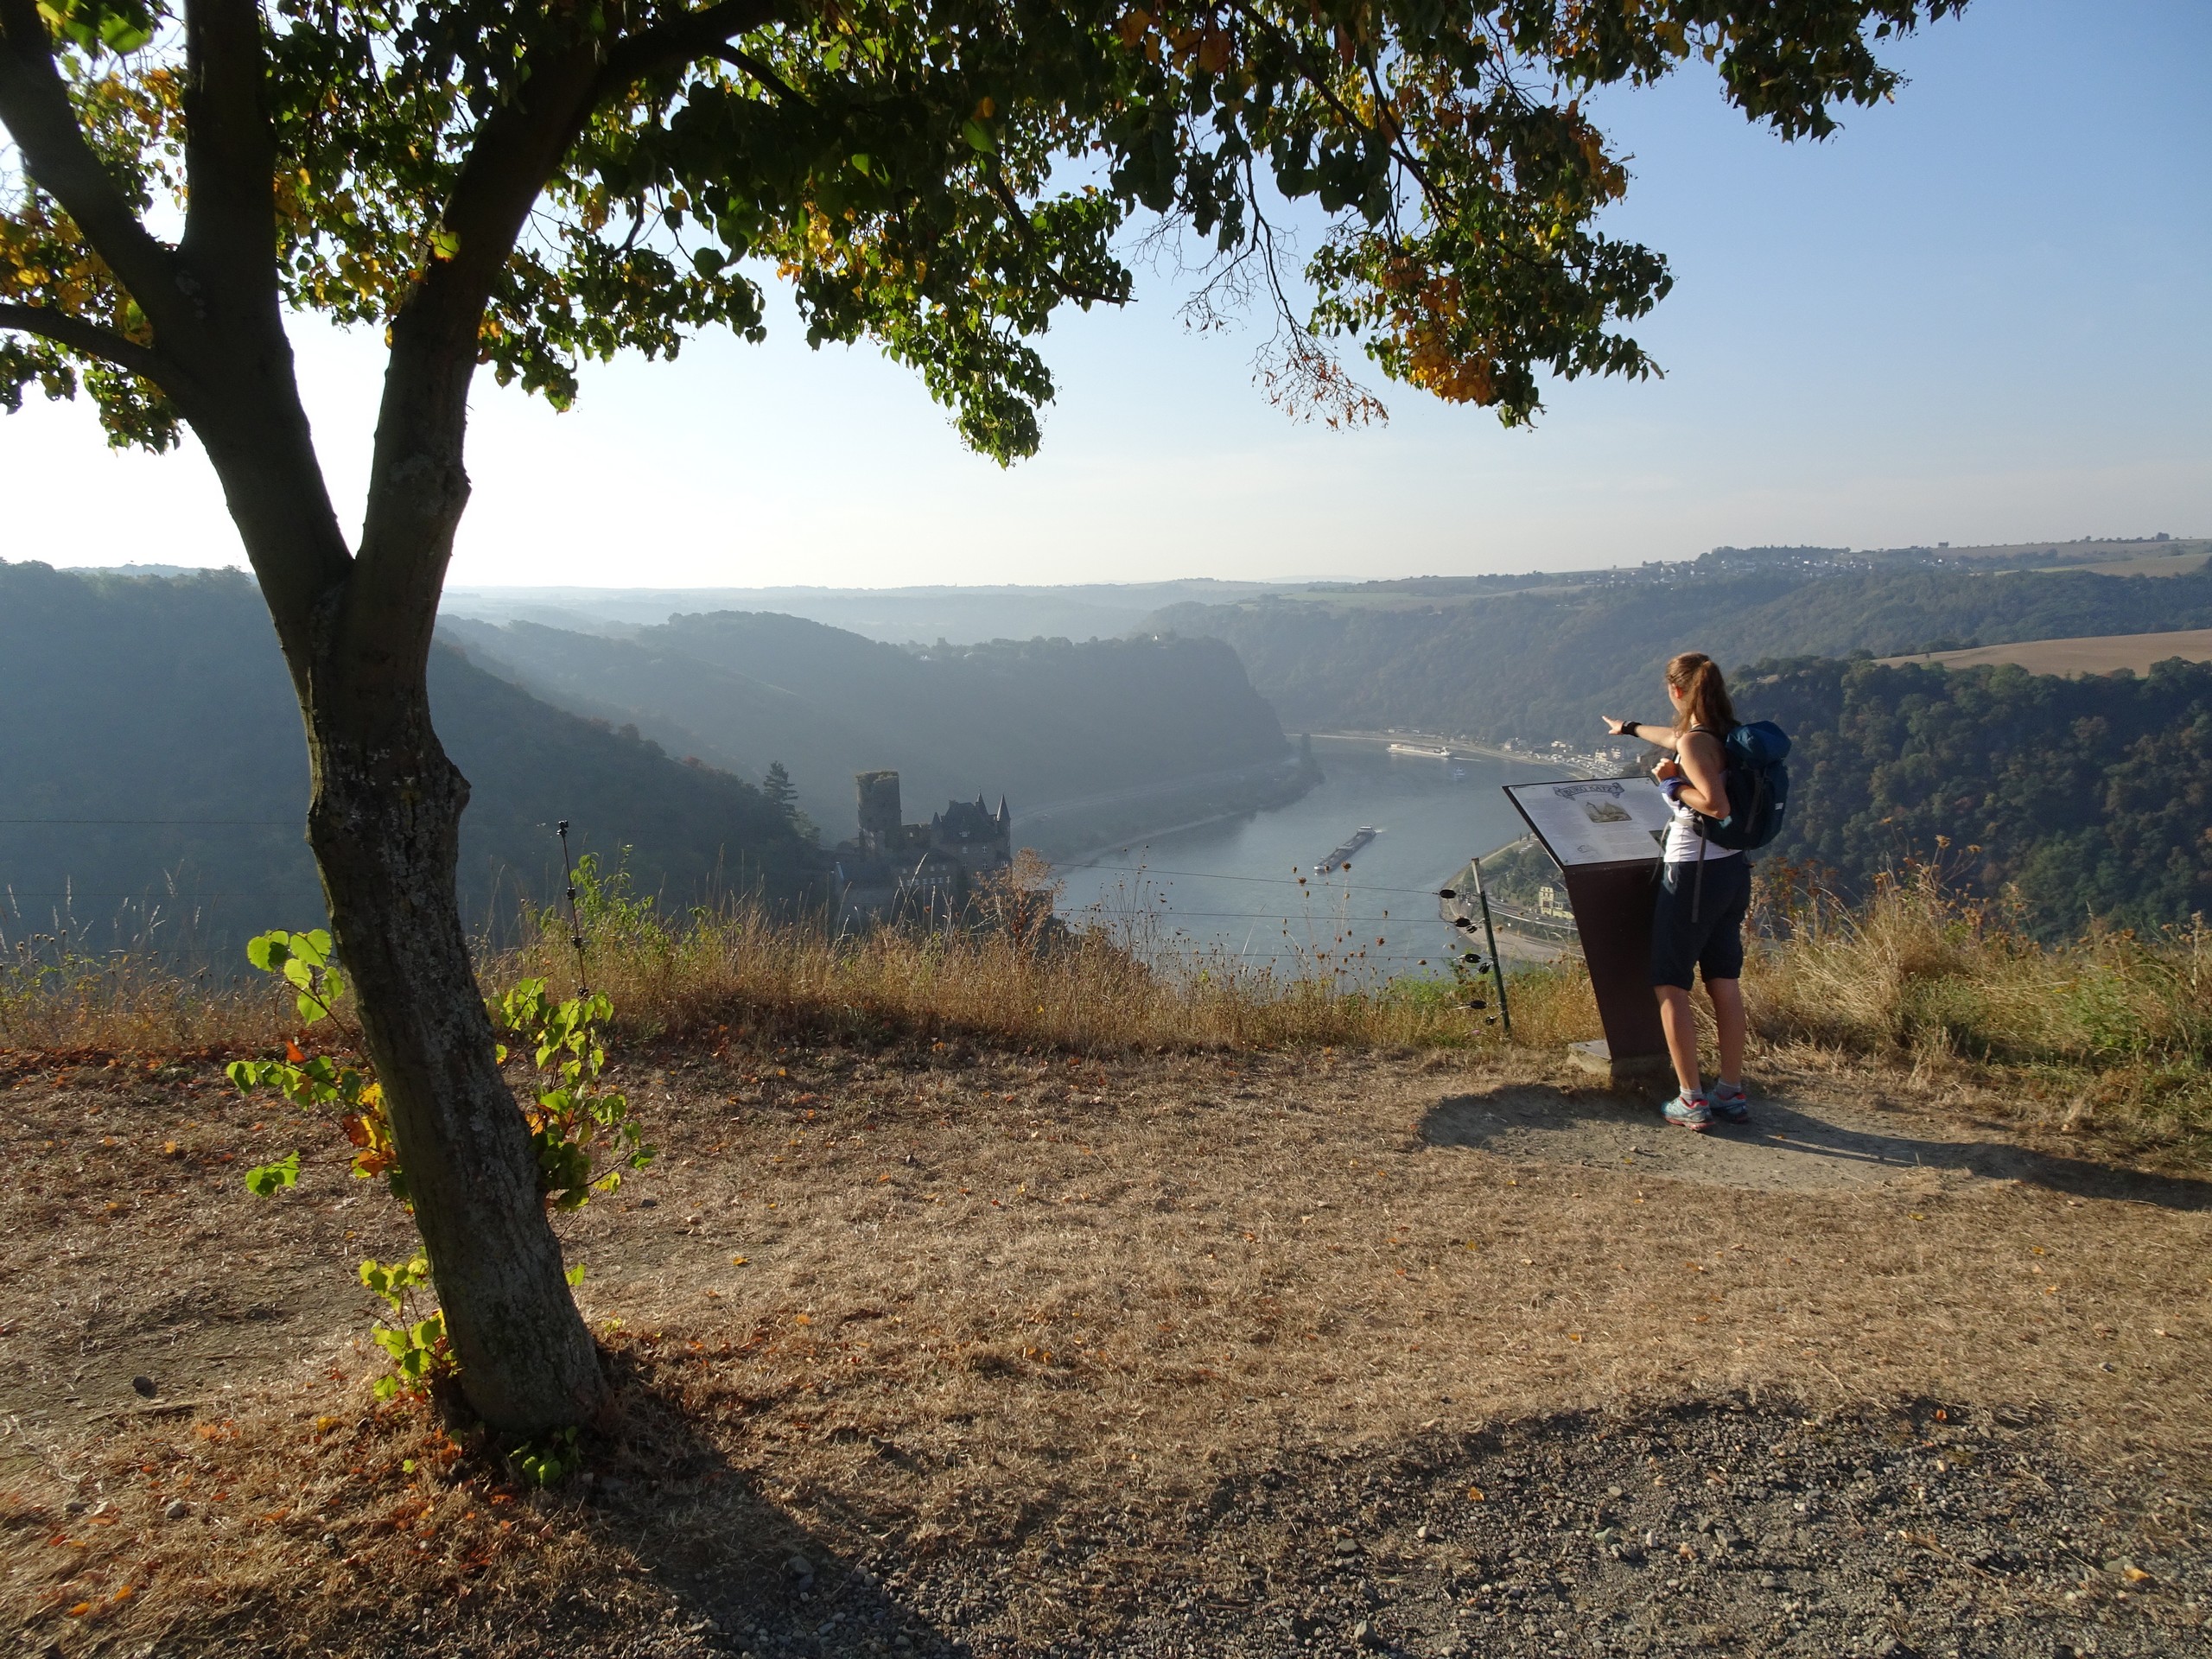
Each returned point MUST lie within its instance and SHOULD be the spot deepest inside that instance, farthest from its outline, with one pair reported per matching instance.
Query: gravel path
(1734, 1528)
(1727, 1528)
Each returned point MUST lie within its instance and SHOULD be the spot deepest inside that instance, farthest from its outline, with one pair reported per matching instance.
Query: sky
(1982, 313)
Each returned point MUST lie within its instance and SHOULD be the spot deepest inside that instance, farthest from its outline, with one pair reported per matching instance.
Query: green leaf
(978, 137)
(264, 1179)
(575, 1275)
(268, 951)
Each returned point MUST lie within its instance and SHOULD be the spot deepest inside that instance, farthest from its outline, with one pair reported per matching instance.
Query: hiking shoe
(1689, 1111)
(1730, 1102)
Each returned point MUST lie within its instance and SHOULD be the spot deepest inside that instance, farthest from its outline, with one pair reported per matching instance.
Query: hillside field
(2100, 653)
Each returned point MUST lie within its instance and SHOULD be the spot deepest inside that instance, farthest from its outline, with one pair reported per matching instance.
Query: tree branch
(695, 35)
(1004, 193)
(417, 484)
(1320, 83)
(35, 108)
(230, 155)
(81, 336)
(760, 71)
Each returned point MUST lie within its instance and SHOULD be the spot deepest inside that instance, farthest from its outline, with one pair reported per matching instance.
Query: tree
(525, 186)
(776, 784)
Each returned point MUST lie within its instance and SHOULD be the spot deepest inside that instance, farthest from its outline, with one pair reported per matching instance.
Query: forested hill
(1545, 663)
(147, 732)
(1040, 721)
(2090, 798)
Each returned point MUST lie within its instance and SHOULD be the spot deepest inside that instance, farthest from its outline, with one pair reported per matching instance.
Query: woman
(1697, 920)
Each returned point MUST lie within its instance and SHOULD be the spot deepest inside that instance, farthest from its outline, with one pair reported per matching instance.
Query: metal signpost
(1605, 834)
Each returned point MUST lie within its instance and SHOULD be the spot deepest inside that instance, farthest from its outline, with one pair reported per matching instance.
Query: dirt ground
(996, 1354)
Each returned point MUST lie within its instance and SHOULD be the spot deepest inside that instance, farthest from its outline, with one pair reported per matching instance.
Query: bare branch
(35, 108)
(81, 336)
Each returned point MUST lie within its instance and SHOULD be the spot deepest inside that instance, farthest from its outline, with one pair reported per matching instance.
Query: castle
(894, 869)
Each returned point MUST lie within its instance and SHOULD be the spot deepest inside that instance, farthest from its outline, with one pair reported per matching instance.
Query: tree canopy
(937, 176)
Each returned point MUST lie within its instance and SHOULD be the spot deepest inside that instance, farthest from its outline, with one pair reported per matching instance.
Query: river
(1233, 885)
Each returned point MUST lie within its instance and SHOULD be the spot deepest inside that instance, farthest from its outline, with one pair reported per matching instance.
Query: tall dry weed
(2113, 1025)
(1007, 972)
(56, 998)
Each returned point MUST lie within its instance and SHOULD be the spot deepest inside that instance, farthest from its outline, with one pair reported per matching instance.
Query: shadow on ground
(739, 1574)
(1790, 1145)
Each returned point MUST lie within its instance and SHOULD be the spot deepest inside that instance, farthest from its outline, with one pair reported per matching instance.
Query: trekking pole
(575, 927)
(1489, 938)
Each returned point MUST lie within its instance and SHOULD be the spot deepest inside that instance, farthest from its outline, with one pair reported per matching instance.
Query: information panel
(1598, 821)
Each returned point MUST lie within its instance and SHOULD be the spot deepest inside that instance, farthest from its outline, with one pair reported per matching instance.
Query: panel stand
(1612, 914)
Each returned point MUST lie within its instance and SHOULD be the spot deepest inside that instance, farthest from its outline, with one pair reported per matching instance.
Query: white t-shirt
(1685, 845)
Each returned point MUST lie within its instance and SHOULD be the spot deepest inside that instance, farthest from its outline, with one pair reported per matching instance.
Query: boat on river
(1341, 858)
(1423, 751)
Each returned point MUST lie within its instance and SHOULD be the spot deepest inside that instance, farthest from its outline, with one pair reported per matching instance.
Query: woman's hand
(1668, 767)
(1614, 727)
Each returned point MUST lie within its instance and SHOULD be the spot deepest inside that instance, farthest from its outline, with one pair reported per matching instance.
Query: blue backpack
(1754, 760)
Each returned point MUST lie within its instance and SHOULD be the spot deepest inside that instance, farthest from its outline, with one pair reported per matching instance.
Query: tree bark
(385, 826)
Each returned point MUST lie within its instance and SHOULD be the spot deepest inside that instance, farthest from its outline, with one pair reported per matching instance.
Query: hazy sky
(1982, 313)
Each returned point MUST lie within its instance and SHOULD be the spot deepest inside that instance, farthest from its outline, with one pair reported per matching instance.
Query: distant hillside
(1547, 662)
(148, 729)
(1040, 721)
(2089, 797)
(897, 615)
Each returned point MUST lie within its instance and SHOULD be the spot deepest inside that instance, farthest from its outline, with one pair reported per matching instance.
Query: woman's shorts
(1714, 941)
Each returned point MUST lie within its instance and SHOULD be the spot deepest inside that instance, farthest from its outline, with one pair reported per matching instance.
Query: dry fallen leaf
(737, 1260)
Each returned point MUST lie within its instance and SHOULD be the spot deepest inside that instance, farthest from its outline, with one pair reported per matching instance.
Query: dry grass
(2109, 1036)
(2110, 1033)
(2101, 653)
(61, 1001)
(987, 1300)
(1015, 977)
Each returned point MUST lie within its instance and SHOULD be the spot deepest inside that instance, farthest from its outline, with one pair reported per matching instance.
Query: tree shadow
(743, 1573)
(1789, 1144)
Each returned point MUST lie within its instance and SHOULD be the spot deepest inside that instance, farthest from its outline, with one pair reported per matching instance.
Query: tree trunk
(385, 824)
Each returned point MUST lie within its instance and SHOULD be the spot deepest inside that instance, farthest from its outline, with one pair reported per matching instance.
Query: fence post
(1490, 940)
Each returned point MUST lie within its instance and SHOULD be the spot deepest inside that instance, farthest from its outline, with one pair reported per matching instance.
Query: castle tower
(881, 823)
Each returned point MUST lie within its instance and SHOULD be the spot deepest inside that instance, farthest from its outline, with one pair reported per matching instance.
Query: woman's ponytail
(1705, 694)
